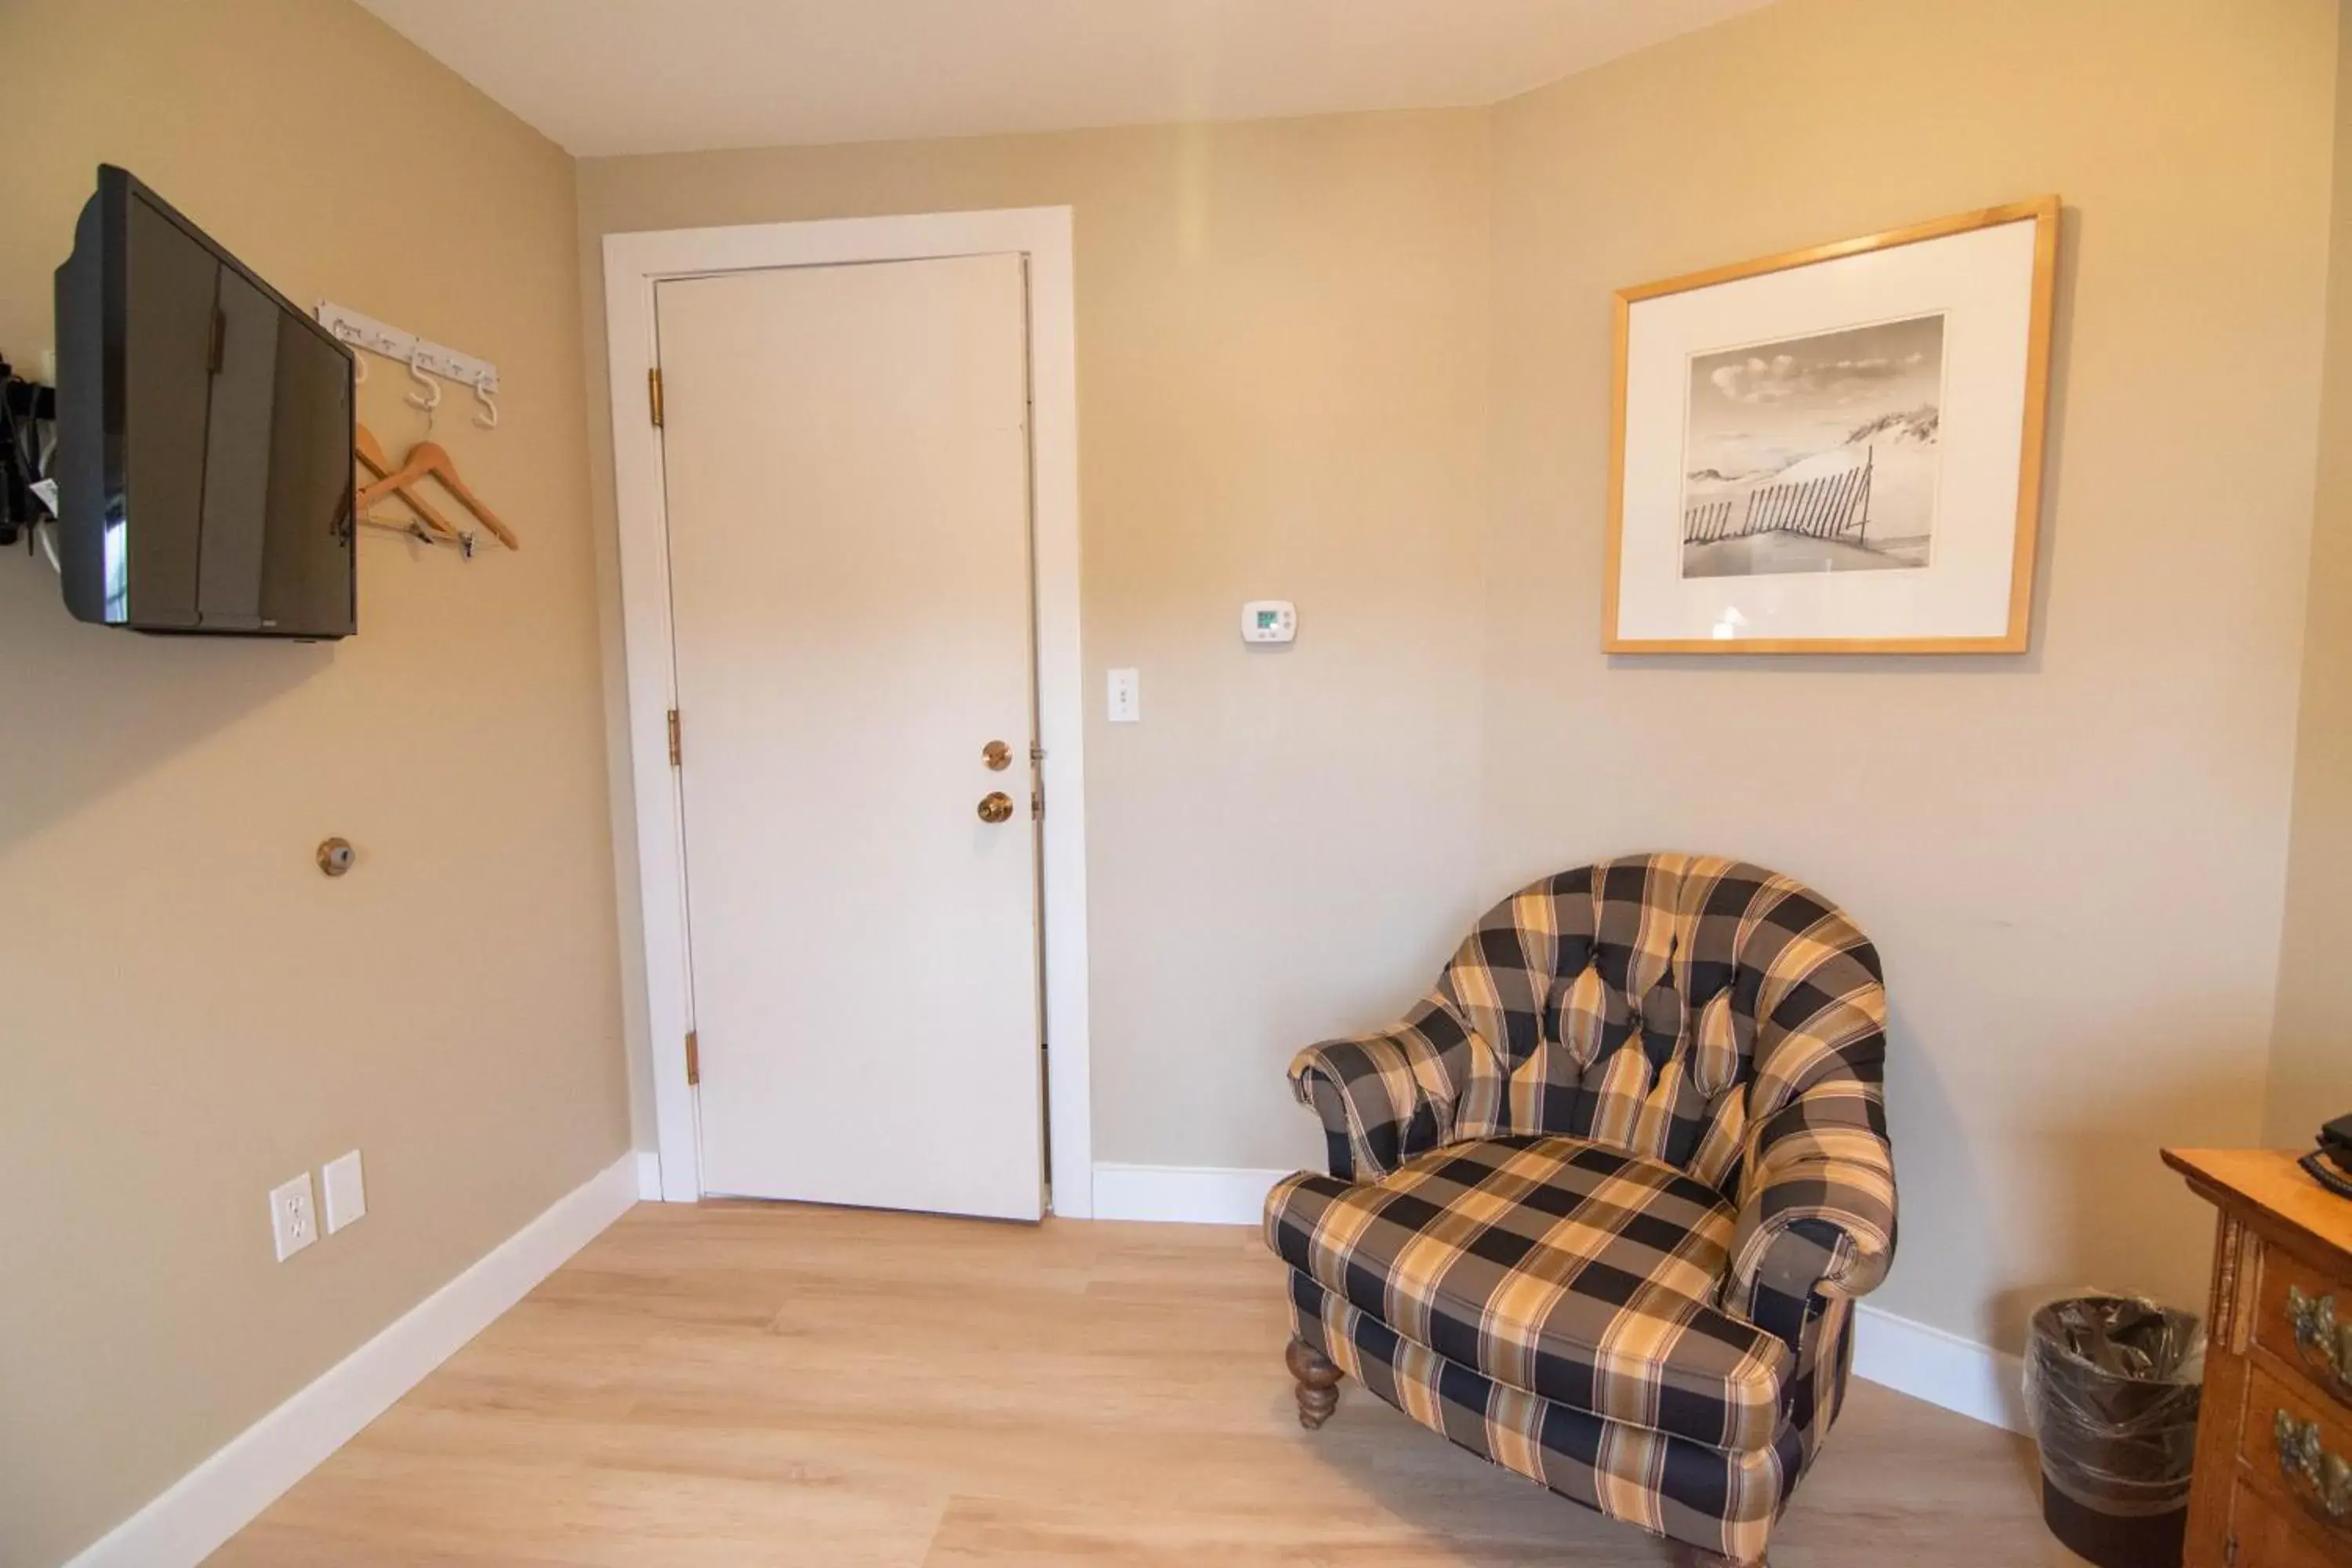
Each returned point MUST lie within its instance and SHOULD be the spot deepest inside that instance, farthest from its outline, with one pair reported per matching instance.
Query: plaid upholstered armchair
(1599, 1209)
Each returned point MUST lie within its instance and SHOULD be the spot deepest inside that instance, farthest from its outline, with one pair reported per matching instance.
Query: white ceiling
(651, 76)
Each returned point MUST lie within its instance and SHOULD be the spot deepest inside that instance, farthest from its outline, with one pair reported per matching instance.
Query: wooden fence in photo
(1834, 506)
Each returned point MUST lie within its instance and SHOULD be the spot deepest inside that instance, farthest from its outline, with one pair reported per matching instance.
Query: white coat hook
(426, 362)
(350, 338)
(427, 404)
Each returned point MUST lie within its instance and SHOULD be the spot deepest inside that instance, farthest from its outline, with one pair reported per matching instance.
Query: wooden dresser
(2273, 1482)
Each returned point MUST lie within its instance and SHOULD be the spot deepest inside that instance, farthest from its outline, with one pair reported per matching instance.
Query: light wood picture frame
(1836, 449)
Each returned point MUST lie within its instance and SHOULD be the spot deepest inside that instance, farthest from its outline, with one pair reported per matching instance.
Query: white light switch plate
(293, 1217)
(1126, 696)
(346, 1191)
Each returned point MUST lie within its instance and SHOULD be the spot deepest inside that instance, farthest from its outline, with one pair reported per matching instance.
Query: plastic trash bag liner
(2112, 1384)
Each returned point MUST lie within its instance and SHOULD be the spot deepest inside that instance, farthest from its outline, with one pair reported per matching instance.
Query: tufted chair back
(1665, 1005)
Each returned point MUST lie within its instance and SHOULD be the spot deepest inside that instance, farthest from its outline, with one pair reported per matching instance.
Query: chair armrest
(1817, 1215)
(1382, 1097)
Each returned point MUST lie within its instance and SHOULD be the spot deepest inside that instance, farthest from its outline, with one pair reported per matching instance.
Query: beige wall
(1360, 362)
(2073, 860)
(189, 1013)
(2311, 1062)
(1282, 378)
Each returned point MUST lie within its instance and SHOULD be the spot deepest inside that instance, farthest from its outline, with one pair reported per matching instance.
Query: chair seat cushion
(1575, 1272)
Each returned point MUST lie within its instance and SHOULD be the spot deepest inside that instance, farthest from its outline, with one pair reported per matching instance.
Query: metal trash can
(2111, 1386)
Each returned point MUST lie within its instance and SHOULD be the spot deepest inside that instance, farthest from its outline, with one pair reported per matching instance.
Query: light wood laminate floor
(770, 1384)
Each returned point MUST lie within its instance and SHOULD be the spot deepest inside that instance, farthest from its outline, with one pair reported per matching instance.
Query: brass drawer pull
(2311, 1469)
(2325, 1344)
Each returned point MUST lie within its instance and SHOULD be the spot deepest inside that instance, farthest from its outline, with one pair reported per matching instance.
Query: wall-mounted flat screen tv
(204, 460)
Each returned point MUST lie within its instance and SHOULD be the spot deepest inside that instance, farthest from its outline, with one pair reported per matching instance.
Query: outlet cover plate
(293, 1217)
(346, 1191)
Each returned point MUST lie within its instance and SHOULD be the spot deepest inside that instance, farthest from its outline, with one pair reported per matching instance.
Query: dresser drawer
(2266, 1538)
(2304, 1317)
(2301, 1448)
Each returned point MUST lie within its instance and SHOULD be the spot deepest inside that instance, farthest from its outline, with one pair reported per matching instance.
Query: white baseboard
(211, 1502)
(1925, 1363)
(1939, 1367)
(649, 1188)
(1187, 1194)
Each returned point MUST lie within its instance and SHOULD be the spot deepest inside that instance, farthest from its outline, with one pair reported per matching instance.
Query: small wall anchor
(336, 855)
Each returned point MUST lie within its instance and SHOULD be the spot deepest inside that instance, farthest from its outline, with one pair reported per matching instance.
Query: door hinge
(677, 753)
(693, 1057)
(653, 394)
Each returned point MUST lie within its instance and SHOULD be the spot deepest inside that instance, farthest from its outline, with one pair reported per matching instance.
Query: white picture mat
(1982, 282)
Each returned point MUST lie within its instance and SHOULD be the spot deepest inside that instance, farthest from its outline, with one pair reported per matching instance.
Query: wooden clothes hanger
(428, 459)
(372, 456)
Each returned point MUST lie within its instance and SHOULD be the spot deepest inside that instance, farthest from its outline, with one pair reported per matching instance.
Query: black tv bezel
(81, 537)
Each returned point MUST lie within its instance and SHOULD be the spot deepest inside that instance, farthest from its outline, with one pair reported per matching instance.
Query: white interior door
(846, 462)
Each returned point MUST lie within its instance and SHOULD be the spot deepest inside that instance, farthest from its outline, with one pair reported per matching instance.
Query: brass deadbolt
(996, 806)
(336, 855)
(997, 755)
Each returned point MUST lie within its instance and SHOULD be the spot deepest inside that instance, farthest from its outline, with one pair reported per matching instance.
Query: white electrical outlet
(293, 1219)
(1126, 696)
(346, 1191)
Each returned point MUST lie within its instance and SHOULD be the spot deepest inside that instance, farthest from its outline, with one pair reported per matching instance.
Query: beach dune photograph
(1814, 454)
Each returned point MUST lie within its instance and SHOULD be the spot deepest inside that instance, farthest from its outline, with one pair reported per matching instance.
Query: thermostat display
(1269, 620)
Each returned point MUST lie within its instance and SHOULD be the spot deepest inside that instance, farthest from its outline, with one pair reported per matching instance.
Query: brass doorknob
(997, 755)
(996, 806)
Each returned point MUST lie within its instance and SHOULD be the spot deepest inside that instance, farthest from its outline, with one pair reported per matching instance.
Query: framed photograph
(1838, 450)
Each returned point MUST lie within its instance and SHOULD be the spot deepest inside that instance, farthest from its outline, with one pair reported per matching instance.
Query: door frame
(633, 264)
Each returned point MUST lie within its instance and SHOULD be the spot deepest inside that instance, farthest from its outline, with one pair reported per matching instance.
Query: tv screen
(204, 460)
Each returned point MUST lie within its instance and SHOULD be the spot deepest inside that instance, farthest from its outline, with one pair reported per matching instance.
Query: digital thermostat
(1269, 620)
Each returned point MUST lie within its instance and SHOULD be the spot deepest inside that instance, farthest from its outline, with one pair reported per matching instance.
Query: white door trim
(633, 264)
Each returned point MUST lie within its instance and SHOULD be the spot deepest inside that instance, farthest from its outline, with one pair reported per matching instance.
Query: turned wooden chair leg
(1691, 1557)
(1317, 1380)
